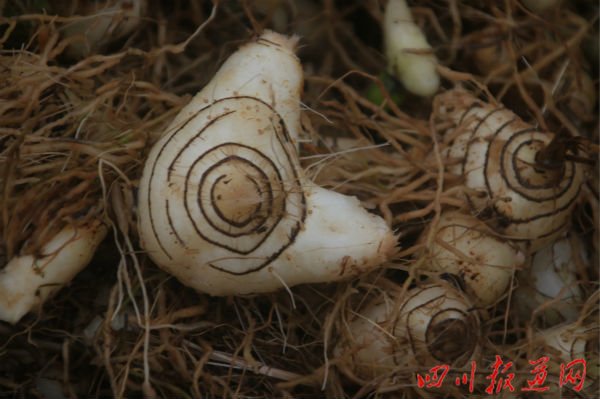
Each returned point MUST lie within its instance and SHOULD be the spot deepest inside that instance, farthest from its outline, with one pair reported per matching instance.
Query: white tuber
(552, 277)
(410, 57)
(27, 281)
(497, 154)
(465, 247)
(568, 342)
(224, 204)
(430, 325)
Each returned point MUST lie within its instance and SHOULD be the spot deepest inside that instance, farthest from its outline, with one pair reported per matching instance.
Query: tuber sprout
(409, 55)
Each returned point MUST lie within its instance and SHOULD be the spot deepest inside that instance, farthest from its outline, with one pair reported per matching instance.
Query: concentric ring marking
(275, 199)
(273, 206)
